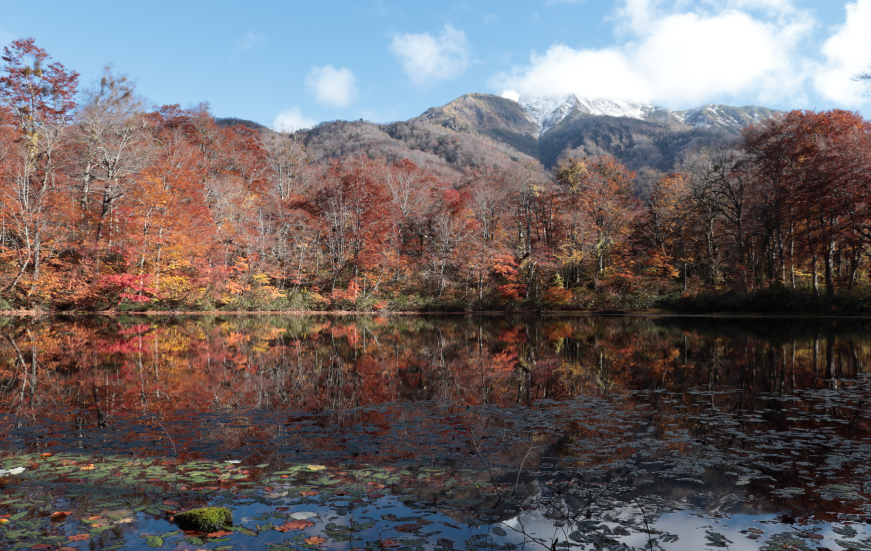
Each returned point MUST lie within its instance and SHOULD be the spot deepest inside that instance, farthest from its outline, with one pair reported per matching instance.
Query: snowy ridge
(616, 108)
(545, 113)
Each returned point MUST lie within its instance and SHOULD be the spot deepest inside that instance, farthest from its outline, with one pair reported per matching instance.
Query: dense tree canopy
(107, 202)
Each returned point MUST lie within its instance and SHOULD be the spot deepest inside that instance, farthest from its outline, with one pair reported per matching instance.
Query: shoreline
(385, 313)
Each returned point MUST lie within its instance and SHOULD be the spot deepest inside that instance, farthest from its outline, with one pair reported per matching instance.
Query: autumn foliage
(107, 203)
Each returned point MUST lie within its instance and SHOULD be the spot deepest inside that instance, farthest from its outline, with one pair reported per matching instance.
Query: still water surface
(441, 433)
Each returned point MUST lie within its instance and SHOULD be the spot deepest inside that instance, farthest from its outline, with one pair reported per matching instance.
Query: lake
(436, 432)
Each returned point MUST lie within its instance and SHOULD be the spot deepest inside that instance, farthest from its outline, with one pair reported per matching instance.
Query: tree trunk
(829, 258)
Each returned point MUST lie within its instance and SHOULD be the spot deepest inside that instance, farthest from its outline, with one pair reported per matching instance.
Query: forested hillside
(106, 203)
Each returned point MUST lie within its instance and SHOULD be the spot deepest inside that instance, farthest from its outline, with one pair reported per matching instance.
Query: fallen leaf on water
(316, 540)
(375, 485)
(295, 525)
(389, 543)
(80, 537)
(95, 518)
(88, 467)
(170, 502)
(123, 521)
(408, 527)
(45, 455)
(316, 467)
(4, 521)
(60, 515)
(308, 493)
(303, 515)
(219, 534)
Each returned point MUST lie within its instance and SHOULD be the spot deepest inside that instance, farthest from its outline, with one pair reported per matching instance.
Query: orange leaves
(316, 540)
(308, 493)
(79, 537)
(295, 525)
(58, 516)
(219, 534)
(557, 296)
(349, 294)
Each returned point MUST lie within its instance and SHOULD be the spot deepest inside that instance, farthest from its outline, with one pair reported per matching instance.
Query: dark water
(436, 432)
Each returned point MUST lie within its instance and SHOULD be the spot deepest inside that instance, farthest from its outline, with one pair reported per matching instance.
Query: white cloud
(511, 94)
(847, 52)
(680, 53)
(292, 120)
(427, 59)
(331, 86)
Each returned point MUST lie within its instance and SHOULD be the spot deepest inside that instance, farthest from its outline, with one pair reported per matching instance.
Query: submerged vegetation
(434, 432)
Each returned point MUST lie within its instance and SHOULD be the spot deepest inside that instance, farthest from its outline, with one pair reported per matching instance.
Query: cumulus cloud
(292, 120)
(847, 52)
(331, 86)
(427, 59)
(679, 52)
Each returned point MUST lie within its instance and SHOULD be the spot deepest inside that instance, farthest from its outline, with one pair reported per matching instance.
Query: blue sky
(295, 63)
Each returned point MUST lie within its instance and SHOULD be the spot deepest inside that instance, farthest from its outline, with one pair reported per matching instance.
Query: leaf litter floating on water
(300, 524)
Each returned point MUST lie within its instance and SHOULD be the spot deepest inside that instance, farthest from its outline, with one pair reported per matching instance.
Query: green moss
(206, 519)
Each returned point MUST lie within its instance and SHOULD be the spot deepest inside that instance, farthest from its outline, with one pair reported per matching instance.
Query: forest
(110, 203)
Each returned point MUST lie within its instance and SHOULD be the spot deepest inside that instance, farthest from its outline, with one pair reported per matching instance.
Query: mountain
(546, 113)
(232, 121)
(495, 117)
(477, 130)
(638, 134)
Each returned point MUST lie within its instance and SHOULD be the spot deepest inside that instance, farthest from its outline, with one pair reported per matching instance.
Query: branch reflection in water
(593, 432)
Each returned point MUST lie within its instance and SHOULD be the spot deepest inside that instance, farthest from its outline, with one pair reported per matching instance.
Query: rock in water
(206, 519)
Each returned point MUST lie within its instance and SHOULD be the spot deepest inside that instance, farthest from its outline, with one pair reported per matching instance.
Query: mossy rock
(206, 519)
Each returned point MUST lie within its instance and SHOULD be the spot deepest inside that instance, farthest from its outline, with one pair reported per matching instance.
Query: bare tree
(115, 142)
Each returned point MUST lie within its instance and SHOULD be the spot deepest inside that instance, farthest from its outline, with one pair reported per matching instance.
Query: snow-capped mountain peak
(547, 112)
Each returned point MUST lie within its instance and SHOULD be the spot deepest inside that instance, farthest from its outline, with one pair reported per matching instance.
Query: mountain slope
(635, 143)
(638, 134)
(498, 118)
(476, 130)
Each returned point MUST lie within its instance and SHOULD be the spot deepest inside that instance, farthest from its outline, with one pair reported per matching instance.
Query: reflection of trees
(707, 387)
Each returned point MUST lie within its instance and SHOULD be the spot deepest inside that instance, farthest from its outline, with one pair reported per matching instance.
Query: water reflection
(595, 432)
